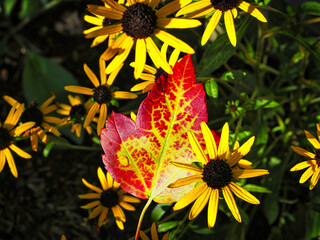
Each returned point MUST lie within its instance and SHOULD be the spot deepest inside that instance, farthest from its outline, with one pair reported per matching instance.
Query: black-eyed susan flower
(8, 132)
(109, 197)
(39, 115)
(228, 8)
(76, 113)
(217, 175)
(102, 93)
(154, 234)
(138, 23)
(150, 74)
(313, 164)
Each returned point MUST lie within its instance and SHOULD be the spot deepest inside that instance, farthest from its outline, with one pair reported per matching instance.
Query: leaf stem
(141, 217)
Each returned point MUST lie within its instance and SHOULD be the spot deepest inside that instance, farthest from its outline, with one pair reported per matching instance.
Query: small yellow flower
(8, 132)
(150, 74)
(109, 197)
(101, 93)
(217, 174)
(313, 165)
(76, 112)
(228, 8)
(138, 23)
(154, 234)
(38, 114)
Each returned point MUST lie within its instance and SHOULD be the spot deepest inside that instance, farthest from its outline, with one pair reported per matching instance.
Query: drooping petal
(213, 207)
(315, 143)
(114, 48)
(130, 199)
(111, 29)
(11, 162)
(49, 109)
(252, 11)
(95, 212)
(243, 194)
(200, 203)
(201, 12)
(118, 213)
(22, 128)
(102, 117)
(191, 196)
(92, 112)
(140, 57)
(210, 142)
(211, 26)
(231, 31)
(303, 152)
(307, 174)
(127, 206)
(2, 160)
(47, 103)
(103, 216)
(142, 86)
(91, 205)
(315, 178)
(196, 147)
(228, 197)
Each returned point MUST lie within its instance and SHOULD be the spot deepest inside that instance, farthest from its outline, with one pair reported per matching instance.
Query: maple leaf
(138, 154)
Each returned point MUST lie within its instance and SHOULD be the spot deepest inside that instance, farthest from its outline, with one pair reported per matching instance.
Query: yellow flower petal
(127, 206)
(49, 109)
(194, 7)
(187, 166)
(223, 148)
(140, 57)
(211, 26)
(115, 5)
(34, 140)
(201, 12)
(142, 86)
(102, 179)
(118, 213)
(103, 216)
(89, 196)
(19, 151)
(92, 112)
(113, 75)
(102, 68)
(307, 174)
(304, 165)
(248, 173)
(228, 197)
(318, 131)
(130, 199)
(243, 194)
(153, 3)
(102, 118)
(156, 57)
(315, 178)
(113, 49)
(95, 212)
(44, 105)
(79, 89)
(121, 56)
(93, 78)
(315, 143)
(2, 160)
(234, 13)
(171, 7)
(196, 147)
(51, 129)
(174, 57)
(116, 28)
(231, 31)
(252, 11)
(200, 203)
(190, 197)
(50, 119)
(213, 207)
(103, 11)
(173, 41)
(22, 128)
(244, 163)
(179, 23)
(11, 162)
(303, 152)
(92, 187)
(210, 142)
(124, 95)
(186, 181)
(240, 152)
(91, 205)
(93, 20)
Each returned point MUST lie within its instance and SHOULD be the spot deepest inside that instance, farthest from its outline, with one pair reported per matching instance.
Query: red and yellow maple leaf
(138, 154)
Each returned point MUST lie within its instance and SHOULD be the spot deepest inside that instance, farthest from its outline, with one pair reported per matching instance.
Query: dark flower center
(77, 112)
(233, 108)
(217, 174)
(32, 113)
(109, 198)
(102, 94)
(225, 5)
(139, 21)
(107, 22)
(5, 138)
(159, 73)
(317, 157)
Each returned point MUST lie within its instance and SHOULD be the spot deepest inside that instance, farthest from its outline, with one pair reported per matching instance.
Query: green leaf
(158, 211)
(29, 7)
(234, 75)
(316, 207)
(42, 76)
(256, 188)
(265, 103)
(167, 226)
(211, 87)
(8, 6)
(313, 221)
(311, 8)
(218, 52)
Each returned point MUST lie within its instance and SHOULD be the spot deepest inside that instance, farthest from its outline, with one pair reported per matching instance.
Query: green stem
(141, 217)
